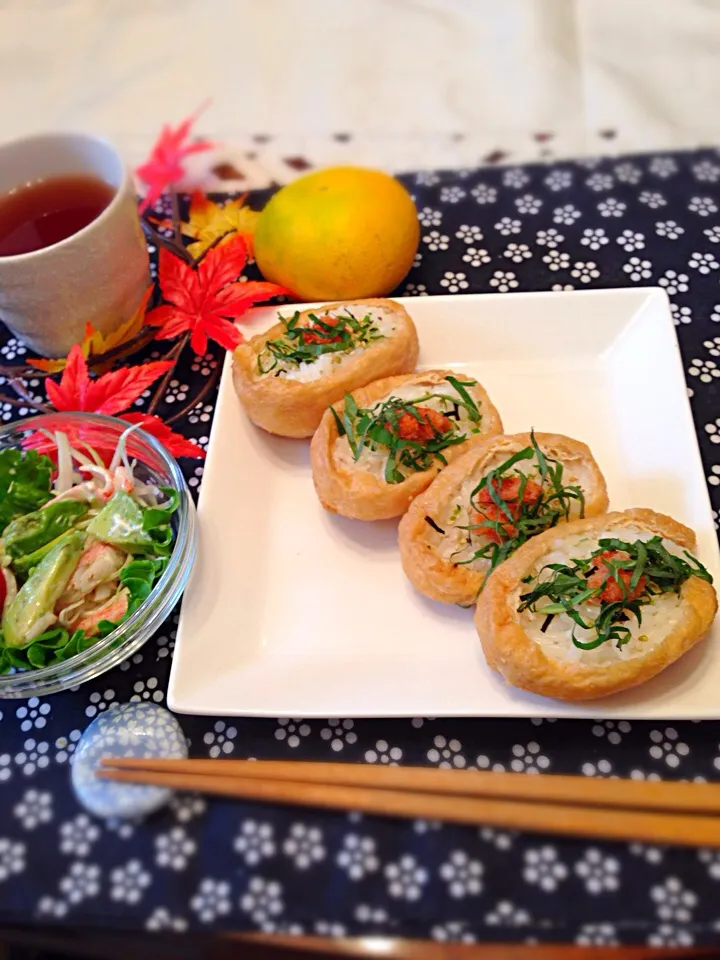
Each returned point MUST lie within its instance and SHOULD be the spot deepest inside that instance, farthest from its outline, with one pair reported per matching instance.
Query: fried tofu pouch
(287, 377)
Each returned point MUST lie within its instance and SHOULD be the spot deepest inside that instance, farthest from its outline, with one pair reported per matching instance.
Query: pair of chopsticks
(655, 812)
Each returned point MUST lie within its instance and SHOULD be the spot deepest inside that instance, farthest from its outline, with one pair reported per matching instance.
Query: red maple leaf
(163, 166)
(201, 298)
(174, 442)
(109, 394)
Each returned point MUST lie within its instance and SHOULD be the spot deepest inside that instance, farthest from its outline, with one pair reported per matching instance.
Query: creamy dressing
(658, 617)
(384, 322)
(375, 461)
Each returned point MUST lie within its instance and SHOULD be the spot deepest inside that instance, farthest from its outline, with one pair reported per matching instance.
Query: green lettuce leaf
(24, 483)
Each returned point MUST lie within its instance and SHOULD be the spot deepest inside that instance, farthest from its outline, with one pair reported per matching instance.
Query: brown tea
(43, 213)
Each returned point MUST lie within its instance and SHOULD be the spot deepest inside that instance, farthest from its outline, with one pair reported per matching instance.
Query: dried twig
(172, 355)
(202, 393)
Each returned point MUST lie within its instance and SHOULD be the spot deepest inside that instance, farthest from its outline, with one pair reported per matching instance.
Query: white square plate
(293, 612)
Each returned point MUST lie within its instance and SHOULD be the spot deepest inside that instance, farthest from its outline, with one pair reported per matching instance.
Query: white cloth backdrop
(418, 83)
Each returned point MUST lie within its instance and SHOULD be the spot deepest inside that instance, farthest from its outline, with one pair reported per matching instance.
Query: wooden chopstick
(547, 788)
(597, 822)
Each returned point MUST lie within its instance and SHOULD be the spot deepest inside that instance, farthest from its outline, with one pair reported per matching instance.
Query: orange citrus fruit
(338, 234)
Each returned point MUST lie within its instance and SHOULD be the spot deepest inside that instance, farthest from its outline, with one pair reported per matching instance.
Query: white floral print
(558, 180)
(515, 177)
(162, 919)
(706, 172)
(12, 858)
(598, 872)
(500, 839)
(667, 746)
(557, 260)
(52, 907)
(33, 756)
(649, 853)
(528, 759)
(304, 846)
(602, 768)
(705, 370)
(566, 214)
(462, 875)
(476, 256)
(711, 858)
(652, 199)
(358, 856)
(543, 869)
(549, 238)
(611, 208)
(81, 882)
(667, 935)
(99, 702)
(211, 900)
(255, 842)
(436, 240)
(484, 194)
(506, 914)
(454, 282)
(469, 233)
(405, 878)
(630, 241)
(713, 234)
(427, 178)
(669, 229)
(33, 714)
(262, 900)
(503, 281)
(674, 282)
(429, 217)
(585, 272)
(416, 290)
(674, 902)
(339, 733)
(220, 739)
(517, 252)
(13, 349)
(594, 238)
(452, 930)
(703, 262)
(78, 835)
(483, 763)
(702, 206)
(129, 882)
(187, 806)
(614, 730)
(597, 935)
(147, 690)
(680, 314)
(713, 431)
(508, 226)
(628, 173)
(384, 753)
(452, 194)
(638, 269)
(599, 181)
(446, 753)
(291, 731)
(174, 849)
(34, 809)
(528, 204)
(663, 167)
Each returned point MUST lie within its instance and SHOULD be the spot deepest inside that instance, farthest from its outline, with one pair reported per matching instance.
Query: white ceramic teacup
(98, 274)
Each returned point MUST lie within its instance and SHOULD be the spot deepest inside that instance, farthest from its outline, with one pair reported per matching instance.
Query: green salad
(82, 544)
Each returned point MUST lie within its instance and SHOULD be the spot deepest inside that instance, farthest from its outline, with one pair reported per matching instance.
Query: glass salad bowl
(93, 439)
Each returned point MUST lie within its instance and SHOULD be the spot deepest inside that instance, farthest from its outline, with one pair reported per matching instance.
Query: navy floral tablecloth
(210, 864)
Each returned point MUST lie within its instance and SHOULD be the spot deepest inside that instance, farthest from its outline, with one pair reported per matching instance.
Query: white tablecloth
(417, 83)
